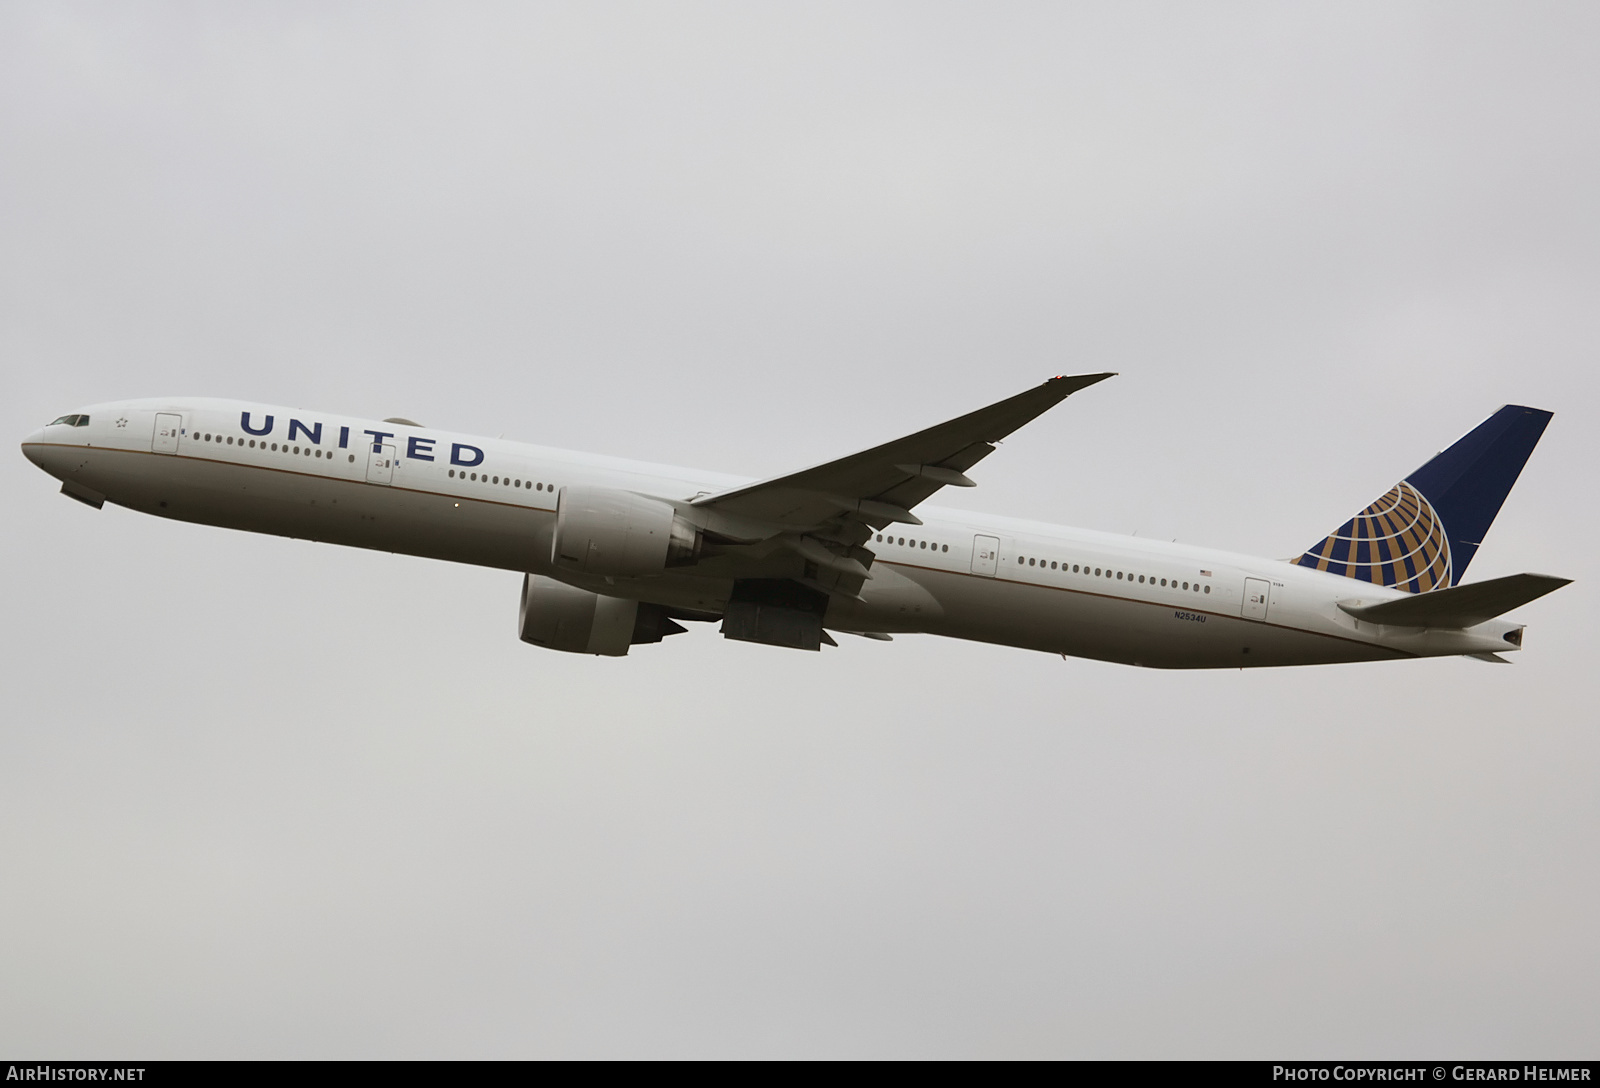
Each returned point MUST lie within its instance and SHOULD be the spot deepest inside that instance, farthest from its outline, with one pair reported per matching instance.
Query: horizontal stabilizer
(1458, 606)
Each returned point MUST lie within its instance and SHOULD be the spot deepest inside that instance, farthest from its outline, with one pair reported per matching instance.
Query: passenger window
(947, 547)
(1208, 589)
(1186, 585)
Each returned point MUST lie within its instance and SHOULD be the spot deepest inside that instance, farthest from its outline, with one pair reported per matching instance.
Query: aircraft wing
(882, 485)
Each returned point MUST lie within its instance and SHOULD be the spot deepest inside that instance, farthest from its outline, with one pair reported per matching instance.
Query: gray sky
(266, 798)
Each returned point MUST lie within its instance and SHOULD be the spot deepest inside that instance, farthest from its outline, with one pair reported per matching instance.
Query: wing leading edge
(824, 515)
(881, 485)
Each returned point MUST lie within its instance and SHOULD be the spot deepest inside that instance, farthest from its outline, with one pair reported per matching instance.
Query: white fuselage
(425, 492)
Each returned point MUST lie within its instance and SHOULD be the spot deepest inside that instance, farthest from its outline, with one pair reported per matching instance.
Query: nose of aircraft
(48, 452)
(33, 448)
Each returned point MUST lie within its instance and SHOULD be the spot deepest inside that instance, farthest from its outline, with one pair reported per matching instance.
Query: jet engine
(603, 531)
(562, 617)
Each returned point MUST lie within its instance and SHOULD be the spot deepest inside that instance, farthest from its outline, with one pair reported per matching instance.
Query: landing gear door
(1257, 598)
(168, 427)
(985, 555)
(380, 464)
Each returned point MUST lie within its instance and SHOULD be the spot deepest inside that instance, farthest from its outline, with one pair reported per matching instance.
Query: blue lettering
(313, 433)
(420, 448)
(244, 421)
(344, 438)
(457, 449)
(379, 436)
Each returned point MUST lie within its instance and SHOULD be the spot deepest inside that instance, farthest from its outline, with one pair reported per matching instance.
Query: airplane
(617, 553)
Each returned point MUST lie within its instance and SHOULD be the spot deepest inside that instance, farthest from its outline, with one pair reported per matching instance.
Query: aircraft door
(169, 426)
(380, 464)
(985, 555)
(1257, 597)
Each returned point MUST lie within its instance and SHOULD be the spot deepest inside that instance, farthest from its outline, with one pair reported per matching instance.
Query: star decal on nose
(123, 422)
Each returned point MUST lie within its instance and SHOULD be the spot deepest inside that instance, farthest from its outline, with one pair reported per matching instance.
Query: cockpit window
(70, 421)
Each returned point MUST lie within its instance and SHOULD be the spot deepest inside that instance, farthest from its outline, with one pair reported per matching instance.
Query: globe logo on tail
(1399, 542)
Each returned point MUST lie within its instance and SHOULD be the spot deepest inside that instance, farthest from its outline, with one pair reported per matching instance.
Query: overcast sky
(268, 798)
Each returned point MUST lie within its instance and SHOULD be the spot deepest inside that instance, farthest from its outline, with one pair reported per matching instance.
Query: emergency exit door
(169, 425)
(380, 464)
(985, 555)
(1257, 598)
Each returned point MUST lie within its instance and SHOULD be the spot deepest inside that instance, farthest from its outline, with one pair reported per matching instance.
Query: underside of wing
(822, 516)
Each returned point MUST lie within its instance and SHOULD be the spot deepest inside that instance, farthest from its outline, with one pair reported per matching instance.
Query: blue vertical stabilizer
(1424, 531)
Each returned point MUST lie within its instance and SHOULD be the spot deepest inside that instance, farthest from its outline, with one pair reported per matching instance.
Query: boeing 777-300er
(614, 553)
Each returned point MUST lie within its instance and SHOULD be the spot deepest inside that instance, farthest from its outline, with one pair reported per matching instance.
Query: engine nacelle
(603, 531)
(562, 617)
